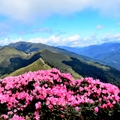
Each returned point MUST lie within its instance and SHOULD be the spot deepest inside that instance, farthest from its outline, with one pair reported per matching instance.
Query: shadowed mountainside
(107, 53)
(15, 62)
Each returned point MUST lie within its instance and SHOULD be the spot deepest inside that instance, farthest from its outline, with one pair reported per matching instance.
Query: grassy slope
(95, 70)
(77, 67)
(12, 59)
(37, 65)
(48, 59)
(6, 53)
(7, 57)
(55, 59)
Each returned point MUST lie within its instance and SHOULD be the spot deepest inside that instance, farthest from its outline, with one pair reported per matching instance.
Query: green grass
(55, 59)
(14, 62)
(37, 65)
(6, 53)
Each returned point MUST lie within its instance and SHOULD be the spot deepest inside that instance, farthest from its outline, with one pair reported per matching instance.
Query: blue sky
(60, 22)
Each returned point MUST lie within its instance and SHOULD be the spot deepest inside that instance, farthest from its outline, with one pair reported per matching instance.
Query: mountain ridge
(79, 66)
(106, 53)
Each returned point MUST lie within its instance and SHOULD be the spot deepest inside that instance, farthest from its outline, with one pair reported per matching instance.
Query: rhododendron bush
(52, 95)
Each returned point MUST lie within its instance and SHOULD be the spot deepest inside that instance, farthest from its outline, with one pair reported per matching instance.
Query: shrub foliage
(52, 95)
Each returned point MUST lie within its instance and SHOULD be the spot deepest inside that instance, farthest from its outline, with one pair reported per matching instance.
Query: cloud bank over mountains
(72, 41)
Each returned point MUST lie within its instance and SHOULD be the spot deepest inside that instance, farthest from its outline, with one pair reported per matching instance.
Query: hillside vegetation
(53, 95)
(37, 65)
(16, 62)
(107, 53)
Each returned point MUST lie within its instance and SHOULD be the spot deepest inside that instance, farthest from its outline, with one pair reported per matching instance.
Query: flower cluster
(50, 94)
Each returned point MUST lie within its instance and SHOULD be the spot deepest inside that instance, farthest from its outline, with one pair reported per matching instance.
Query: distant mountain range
(18, 58)
(107, 53)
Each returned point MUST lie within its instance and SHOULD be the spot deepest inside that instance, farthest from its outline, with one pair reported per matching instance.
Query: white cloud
(76, 40)
(15, 9)
(99, 27)
(111, 38)
(7, 41)
(29, 9)
(52, 40)
(57, 40)
(73, 41)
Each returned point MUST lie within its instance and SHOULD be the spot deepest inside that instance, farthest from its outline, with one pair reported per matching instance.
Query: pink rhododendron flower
(51, 89)
(96, 109)
(4, 116)
(38, 105)
(16, 117)
(77, 108)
